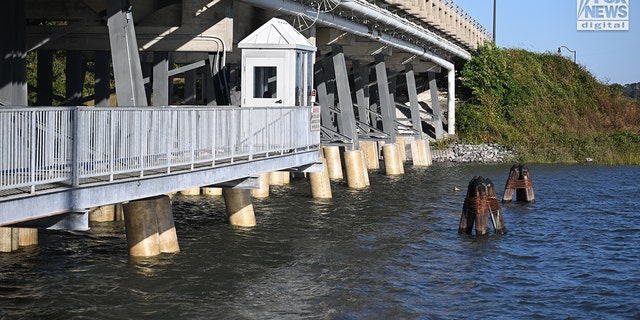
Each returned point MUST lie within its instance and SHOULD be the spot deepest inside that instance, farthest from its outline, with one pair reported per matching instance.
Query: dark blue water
(387, 252)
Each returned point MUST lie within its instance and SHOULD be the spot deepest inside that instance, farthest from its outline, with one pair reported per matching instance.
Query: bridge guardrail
(76, 145)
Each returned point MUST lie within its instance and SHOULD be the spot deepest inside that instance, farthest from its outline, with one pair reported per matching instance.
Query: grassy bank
(546, 108)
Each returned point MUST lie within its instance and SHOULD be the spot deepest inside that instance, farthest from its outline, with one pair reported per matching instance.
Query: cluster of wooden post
(481, 201)
(480, 204)
(520, 183)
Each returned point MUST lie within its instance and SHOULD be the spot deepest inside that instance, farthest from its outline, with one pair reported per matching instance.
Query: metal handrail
(76, 145)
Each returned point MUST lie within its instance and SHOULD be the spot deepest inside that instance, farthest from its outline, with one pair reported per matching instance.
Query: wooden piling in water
(520, 183)
(480, 205)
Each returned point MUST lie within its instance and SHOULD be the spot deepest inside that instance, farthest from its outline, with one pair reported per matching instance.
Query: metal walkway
(67, 159)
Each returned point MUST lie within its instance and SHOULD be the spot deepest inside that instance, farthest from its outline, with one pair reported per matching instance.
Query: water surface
(390, 251)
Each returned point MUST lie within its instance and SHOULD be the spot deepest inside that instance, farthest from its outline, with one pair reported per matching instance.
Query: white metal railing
(47, 145)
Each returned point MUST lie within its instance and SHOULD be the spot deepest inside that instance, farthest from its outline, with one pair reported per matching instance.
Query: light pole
(494, 22)
(574, 52)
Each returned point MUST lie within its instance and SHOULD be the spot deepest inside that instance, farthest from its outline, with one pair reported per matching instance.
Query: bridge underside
(430, 35)
(373, 61)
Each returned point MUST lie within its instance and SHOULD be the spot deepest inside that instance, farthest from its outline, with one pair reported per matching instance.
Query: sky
(546, 25)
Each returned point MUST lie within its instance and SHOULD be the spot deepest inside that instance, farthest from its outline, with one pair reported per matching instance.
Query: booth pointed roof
(276, 34)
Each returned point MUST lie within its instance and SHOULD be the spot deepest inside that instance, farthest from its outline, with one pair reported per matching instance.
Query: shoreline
(467, 153)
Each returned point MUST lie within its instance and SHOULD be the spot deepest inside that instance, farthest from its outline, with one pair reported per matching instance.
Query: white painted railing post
(33, 153)
(75, 163)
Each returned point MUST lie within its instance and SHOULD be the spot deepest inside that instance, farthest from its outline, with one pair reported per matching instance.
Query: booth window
(265, 82)
(309, 90)
(299, 79)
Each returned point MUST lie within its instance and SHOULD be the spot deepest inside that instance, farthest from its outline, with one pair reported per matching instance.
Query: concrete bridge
(191, 113)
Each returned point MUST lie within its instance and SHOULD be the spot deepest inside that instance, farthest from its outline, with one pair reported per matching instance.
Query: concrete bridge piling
(239, 207)
(149, 226)
(11, 239)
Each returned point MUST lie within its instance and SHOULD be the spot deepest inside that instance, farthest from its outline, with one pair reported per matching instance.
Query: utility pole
(494, 22)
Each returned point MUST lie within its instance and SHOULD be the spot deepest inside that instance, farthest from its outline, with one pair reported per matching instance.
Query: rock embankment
(465, 153)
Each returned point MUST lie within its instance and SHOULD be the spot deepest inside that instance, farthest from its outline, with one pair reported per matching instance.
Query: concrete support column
(106, 213)
(127, 69)
(371, 155)
(102, 79)
(392, 163)
(13, 55)
(435, 105)
(451, 123)
(427, 151)
(239, 207)
(334, 164)
(364, 168)
(167, 235)
(190, 192)
(277, 178)
(355, 168)
(45, 78)
(160, 78)
(416, 154)
(320, 183)
(212, 191)
(27, 237)
(421, 153)
(9, 239)
(263, 192)
(149, 226)
(402, 148)
(75, 75)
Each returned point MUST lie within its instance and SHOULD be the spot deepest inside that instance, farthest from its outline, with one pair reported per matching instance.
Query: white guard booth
(277, 67)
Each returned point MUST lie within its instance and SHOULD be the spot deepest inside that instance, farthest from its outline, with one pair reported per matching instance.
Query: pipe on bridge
(330, 20)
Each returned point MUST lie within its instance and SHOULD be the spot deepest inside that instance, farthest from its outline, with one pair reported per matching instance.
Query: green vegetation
(442, 144)
(547, 109)
(631, 90)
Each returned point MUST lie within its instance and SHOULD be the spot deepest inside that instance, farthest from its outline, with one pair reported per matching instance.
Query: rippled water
(387, 252)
